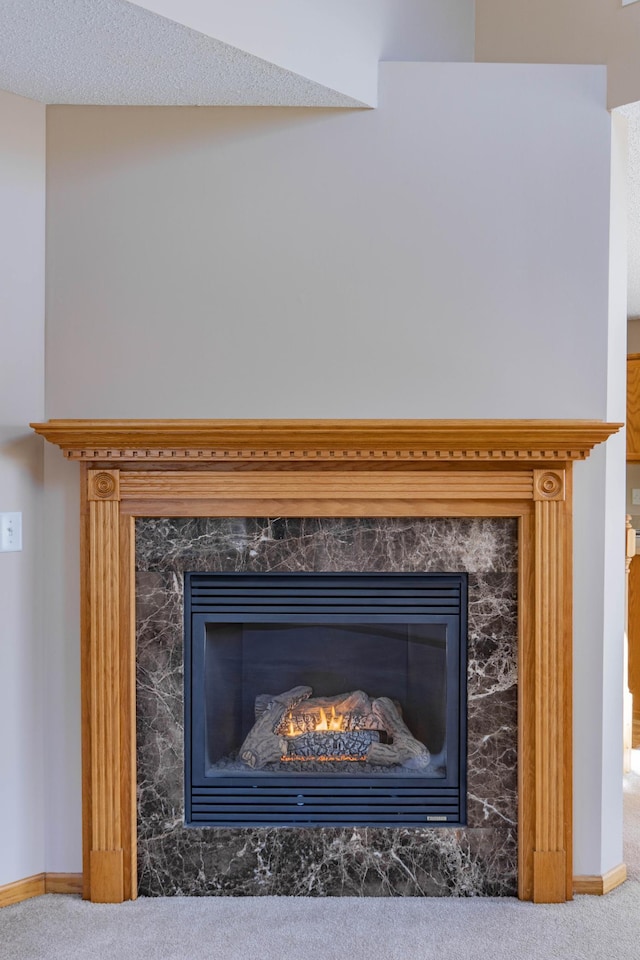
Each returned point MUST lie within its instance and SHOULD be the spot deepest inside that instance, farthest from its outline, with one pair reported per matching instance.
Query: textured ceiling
(114, 52)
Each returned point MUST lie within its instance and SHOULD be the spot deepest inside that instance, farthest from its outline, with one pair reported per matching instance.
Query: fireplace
(179, 469)
(325, 699)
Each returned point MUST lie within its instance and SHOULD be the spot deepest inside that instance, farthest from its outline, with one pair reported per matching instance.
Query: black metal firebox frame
(325, 799)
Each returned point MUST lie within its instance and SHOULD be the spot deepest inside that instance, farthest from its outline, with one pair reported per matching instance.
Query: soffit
(113, 52)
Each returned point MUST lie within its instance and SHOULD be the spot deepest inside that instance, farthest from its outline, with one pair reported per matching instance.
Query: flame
(334, 722)
(291, 732)
(334, 758)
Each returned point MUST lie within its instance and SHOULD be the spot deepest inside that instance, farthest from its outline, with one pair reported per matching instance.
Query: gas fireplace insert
(325, 699)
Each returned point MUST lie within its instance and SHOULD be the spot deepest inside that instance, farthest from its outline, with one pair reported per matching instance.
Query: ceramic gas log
(344, 729)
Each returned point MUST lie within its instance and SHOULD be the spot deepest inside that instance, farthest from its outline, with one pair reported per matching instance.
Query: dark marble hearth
(480, 859)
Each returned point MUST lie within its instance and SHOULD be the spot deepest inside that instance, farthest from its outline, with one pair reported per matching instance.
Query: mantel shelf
(321, 440)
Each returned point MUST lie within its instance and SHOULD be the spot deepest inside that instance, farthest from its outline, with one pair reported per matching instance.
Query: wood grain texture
(21, 890)
(104, 696)
(85, 681)
(63, 883)
(600, 885)
(548, 484)
(103, 485)
(633, 408)
(309, 440)
(550, 708)
(337, 485)
(107, 873)
(320, 508)
(104, 562)
(549, 870)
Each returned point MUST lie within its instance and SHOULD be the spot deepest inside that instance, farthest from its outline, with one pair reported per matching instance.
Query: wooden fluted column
(102, 749)
(552, 639)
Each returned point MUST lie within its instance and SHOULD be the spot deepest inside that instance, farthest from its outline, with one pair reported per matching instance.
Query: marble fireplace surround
(479, 858)
(319, 468)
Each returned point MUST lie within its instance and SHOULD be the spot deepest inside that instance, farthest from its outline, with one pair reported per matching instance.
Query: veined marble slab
(477, 860)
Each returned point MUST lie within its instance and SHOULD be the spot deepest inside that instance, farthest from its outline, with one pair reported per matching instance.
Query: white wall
(599, 556)
(22, 206)
(443, 256)
(331, 263)
(63, 849)
(441, 30)
(613, 622)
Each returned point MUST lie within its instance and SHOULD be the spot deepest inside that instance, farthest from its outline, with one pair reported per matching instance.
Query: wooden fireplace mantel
(457, 468)
(124, 441)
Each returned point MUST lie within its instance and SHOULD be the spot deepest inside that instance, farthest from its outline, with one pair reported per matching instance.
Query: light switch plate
(10, 532)
(635, 497)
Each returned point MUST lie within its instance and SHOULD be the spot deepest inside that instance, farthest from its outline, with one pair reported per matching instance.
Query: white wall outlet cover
(10, 532)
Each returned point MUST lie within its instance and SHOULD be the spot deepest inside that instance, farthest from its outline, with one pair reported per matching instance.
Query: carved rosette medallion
(104, 485)
(548, 485)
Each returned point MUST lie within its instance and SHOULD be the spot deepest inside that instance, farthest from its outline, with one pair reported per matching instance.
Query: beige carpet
(282, 928)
